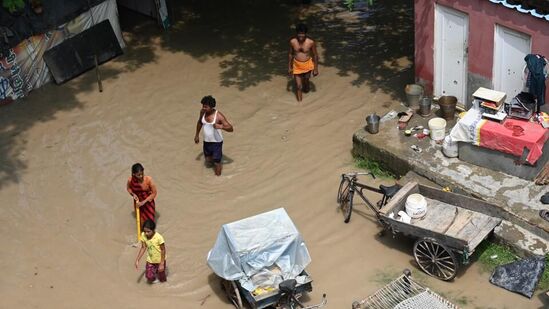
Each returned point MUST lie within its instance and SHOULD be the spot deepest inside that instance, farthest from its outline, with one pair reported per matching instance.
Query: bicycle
(349, 185)
(289, 298)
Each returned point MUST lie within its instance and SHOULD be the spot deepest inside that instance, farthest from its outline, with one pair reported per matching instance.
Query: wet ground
(66, 153)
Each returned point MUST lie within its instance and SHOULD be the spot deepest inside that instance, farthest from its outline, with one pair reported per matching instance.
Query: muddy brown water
(67, 150)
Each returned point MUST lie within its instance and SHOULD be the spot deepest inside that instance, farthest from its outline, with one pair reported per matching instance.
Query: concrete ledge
(520, 240)
(515, 200)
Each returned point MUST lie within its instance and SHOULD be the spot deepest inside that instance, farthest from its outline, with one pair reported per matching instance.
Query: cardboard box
(485, 94)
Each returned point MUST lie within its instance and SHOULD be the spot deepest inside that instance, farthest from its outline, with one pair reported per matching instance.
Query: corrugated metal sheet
(539, 11)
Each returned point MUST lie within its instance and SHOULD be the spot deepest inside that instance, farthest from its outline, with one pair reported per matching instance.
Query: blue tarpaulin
(266, 245)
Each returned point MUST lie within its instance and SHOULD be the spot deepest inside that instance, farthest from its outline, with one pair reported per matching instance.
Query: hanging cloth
(536, 77)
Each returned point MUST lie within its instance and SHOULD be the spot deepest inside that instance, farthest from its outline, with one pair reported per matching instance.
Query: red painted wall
(483, 16)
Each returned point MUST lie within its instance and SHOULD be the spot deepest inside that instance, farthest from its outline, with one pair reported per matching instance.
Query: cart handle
(322, 304)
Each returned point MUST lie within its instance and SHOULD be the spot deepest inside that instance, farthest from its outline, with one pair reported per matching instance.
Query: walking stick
(138, 221)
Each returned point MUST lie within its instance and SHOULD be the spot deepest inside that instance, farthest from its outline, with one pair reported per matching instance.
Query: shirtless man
(302, 59)
(213, 122)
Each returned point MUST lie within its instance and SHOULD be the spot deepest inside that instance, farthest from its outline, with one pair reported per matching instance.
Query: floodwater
(66, 153)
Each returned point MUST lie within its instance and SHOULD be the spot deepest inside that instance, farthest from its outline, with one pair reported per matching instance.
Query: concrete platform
(502, 162)
(515, 200)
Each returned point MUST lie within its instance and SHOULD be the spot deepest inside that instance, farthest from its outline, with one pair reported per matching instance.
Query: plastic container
(404, 217)
(449, 147)
(437, 128)
(372, 123)
(416, 205)
(413, 94)
(447, 106)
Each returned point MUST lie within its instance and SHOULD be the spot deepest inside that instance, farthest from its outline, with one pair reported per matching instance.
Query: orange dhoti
(302, 67)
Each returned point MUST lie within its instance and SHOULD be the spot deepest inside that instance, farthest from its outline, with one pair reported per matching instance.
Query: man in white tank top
(213, 122)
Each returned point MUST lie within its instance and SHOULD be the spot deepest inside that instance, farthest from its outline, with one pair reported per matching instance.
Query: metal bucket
(372, 123)
(413, 94)
(447, 106)
(425, 106)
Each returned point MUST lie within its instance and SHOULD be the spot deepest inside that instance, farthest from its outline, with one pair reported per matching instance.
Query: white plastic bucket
(416, 205)
(437, 126)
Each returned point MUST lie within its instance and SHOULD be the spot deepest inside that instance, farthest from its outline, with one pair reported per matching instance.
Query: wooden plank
(462, 219)
(397, 202)
(439, 217)
(475, 227)
(486, 229)
(543, 176)
(419, 232)
(455, 220)
(463, 201)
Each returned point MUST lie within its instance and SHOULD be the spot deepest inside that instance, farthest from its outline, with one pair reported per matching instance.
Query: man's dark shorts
(214, 150)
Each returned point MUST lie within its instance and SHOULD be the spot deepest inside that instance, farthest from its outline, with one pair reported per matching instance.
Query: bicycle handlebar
(354, 174)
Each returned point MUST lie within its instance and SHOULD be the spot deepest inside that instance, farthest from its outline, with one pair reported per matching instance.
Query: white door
(510, 48)
(451, 33)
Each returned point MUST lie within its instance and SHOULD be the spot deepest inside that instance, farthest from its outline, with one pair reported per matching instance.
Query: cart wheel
(343, 188)
(232, 292)
(435, 259)
(346, 205)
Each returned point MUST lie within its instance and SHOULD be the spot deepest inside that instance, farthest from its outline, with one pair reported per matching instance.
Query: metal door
(451, 34)
(510, 48)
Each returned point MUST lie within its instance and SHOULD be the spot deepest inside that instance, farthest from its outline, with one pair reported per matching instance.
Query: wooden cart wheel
(343, 189)
(435, 259)
(232, 292)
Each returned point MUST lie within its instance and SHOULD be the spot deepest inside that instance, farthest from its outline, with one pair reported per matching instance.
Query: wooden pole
(96, 61)
(137, 221)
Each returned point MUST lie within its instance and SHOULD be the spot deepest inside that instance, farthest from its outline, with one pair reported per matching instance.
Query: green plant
(350, 4)
(373, 166)
(490, 255)
(13, 5)
(543, 284)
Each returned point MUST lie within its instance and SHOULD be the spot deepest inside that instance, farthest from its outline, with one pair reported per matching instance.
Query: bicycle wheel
(435, 259)
(346, 205)
(343, 188)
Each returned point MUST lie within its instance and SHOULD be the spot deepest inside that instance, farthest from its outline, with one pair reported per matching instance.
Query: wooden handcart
(448, 234)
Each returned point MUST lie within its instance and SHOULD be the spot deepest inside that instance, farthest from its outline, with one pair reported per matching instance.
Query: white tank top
(211, 134)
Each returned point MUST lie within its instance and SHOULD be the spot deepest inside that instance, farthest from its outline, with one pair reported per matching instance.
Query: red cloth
(146, 211)
(510, 138)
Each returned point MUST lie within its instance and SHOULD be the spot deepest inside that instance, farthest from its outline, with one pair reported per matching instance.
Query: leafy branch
(350, 4)
(13, 5)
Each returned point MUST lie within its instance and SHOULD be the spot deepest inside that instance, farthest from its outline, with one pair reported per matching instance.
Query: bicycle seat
(288, 286)
(389, 191)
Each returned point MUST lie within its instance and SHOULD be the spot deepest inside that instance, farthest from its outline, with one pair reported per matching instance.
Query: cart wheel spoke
(231, 289)
(424, 254)
(423, 248)
(435, 259)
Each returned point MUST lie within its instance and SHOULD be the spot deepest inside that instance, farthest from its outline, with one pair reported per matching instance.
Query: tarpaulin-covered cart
(254, 255)
(452, 228)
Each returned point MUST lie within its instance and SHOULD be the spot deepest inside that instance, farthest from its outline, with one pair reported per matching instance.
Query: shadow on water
(373, 46)
(39, 107)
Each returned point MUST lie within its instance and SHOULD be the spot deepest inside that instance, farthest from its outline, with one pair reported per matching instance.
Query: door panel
(510, 48)
(451, 34)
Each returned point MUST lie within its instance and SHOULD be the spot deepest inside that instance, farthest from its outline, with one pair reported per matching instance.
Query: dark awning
(14, 28)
